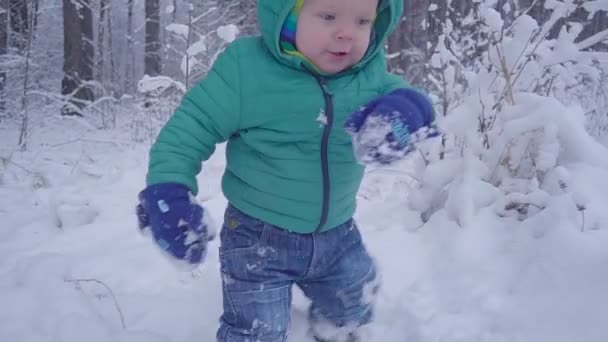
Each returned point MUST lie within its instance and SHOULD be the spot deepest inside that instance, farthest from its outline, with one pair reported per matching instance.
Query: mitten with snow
(171, 213)
(387, 128)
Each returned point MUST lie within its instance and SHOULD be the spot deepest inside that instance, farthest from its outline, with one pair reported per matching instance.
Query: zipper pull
(326, 89)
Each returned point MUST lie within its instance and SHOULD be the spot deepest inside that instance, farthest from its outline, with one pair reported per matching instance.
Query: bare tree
(111, 53)
(35, 14)
(3, 50)
(152, 61)
(19, 23)
(24, 103)
(78, 55)
(130, 54)
(101, 27)
(174, 13)
(106, 70)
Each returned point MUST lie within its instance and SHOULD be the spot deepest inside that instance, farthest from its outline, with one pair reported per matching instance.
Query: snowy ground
(72, 262)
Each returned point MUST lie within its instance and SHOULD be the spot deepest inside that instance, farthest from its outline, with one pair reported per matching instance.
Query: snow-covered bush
(513, 97)
(200, 40)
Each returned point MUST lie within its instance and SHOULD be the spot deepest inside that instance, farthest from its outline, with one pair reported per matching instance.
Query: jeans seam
(288, 310)
(225, 289)
(311, 263)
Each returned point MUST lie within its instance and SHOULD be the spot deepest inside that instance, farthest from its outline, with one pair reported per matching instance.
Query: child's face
(335, 34)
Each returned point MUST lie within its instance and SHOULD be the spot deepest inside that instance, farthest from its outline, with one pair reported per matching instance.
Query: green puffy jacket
(289, 161)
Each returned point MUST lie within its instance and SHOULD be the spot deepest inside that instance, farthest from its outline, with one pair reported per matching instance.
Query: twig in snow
(77, 161)
(6, 160)
(426, 161)
(85, 140)
(99, 282)
(581, 208)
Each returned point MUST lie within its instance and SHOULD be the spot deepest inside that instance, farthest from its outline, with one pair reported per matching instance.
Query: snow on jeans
(260, 262)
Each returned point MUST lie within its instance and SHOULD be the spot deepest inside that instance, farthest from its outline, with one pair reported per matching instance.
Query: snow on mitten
(388, 127)
(171, 213)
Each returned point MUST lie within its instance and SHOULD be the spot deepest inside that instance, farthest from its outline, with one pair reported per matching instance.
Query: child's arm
(209, 114)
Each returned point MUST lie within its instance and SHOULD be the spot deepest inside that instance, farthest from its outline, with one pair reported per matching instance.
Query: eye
(327, 16)
(364, 22)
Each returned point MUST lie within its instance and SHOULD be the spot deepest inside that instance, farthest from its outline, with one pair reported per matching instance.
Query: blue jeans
(260, 263)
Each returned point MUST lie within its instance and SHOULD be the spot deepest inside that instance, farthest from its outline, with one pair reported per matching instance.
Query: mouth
(339, 53)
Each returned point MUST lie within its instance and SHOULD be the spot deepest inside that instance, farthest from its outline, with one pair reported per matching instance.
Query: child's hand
(387, 128)
(170, 211)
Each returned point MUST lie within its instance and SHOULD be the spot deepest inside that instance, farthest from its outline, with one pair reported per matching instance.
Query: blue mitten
(175, 219)
(387, 128)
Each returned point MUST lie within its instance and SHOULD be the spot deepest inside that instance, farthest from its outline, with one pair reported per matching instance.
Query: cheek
(366, 39)
(307, 38)
(363, 43)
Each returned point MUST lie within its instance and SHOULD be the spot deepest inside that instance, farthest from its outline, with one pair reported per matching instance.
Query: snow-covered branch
(591, 41)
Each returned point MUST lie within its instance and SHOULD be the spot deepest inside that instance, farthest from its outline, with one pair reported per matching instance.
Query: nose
(344, 32)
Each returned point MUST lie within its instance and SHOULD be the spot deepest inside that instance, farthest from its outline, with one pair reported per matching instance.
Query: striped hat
(288, 31)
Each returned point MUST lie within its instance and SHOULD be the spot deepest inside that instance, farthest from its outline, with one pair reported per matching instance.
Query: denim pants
(260, 263)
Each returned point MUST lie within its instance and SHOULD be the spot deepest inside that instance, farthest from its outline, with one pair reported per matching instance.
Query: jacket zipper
(329, 116)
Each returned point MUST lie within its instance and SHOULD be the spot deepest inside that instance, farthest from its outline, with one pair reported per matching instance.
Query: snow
(228, 32)
(322, 118)
(156, 83)
(179, 29)
(502, 240)
(73, 265)
(593, 6)
(198, 47)
(492, 18)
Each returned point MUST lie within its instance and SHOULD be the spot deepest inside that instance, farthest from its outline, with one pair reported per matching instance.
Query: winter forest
(497, 231)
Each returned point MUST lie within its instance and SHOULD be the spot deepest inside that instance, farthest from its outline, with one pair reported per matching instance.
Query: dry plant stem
(444, 84)
(583, 216)
(445, 107)
(484, 128)
(6, 160)
(99, 282)
(507, 75)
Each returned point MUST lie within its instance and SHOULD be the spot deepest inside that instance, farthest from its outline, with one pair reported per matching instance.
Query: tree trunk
(3, 51)
(103, 5)
(113, 86)
(35, 14)
(174, 14)
(78, 55)
(152, 60)
(19, 23)
(130, 53)
(24, 103)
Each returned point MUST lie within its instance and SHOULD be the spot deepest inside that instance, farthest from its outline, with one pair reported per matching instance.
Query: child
(291, 104)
